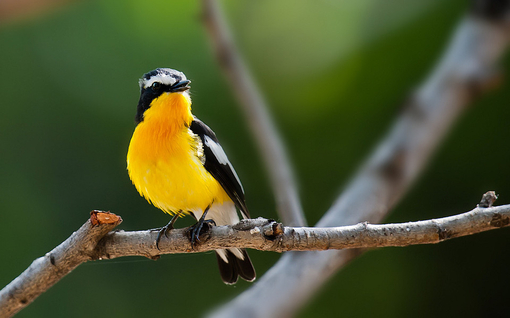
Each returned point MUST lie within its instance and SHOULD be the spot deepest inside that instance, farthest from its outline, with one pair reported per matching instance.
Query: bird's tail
(233, 263)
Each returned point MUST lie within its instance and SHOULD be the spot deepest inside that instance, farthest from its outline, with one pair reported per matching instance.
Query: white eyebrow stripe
(162, 78)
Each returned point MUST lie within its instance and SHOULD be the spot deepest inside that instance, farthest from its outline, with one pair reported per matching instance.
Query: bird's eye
(156, 85)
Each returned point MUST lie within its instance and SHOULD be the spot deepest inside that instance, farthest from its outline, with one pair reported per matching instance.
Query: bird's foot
(165, 229)
(198, 229)
(162, 231)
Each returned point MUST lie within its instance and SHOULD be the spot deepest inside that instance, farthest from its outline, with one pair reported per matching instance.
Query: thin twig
(465, 70)
(256, 112)
(91, 242)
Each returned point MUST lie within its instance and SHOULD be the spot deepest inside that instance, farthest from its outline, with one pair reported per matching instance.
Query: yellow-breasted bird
(176, 162)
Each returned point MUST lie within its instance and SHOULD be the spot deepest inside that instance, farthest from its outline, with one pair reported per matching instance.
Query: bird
(177, 164)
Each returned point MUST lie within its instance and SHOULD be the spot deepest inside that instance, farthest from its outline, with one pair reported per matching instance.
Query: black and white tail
(233, 262)
(235, 267)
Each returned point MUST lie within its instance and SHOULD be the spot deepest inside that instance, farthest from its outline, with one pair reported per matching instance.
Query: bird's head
(160, 83)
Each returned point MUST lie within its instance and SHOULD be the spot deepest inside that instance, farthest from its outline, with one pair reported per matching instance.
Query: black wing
(218, 165)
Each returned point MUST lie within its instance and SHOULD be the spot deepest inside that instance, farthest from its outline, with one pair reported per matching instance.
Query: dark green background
(335, 74)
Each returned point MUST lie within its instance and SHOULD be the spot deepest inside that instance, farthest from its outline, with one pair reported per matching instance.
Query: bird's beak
(180, 86)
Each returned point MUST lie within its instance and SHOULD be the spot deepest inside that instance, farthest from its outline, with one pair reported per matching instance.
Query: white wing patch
(220, 154)
(217, 151)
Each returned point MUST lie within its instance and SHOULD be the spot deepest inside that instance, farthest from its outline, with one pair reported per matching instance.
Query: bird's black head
(157, 82)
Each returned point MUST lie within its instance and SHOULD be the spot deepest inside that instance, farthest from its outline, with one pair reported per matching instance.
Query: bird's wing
(218, 165)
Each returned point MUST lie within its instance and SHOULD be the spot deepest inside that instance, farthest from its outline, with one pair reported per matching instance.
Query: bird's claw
(166, 228)
(198, 229)
(163, 230)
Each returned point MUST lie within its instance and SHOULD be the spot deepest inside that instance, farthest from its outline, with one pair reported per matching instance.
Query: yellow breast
(162, 159)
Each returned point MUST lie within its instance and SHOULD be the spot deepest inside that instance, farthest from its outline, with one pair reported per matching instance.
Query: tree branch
(92, 242)
(268, 235)
(257, 115)
(47, 270)
(465, 70)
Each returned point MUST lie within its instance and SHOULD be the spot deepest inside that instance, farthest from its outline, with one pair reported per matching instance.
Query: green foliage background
(334, 73)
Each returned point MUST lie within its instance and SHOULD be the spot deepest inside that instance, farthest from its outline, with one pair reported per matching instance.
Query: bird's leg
(195, 230)
(166, 228)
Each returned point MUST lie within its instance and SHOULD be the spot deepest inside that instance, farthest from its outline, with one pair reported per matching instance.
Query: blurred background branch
(465, 69)
(256, 112)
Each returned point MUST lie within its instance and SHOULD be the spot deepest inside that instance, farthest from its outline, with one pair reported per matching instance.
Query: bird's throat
(168, 114)
(163, 128)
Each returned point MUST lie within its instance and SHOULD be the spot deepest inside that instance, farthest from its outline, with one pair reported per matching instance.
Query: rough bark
(93, 242)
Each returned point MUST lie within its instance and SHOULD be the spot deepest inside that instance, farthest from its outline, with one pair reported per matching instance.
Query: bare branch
(47, 270)
(267, 235)
(256, 112)
(465, 70)
(91, 242)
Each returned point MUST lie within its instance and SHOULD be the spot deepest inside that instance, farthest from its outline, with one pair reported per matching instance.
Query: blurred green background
(335, 74)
